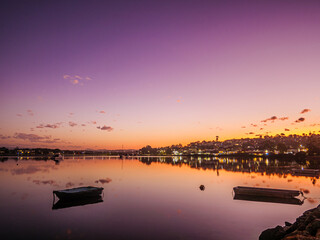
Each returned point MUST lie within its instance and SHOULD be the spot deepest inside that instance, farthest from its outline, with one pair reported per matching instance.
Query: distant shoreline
(238, 156)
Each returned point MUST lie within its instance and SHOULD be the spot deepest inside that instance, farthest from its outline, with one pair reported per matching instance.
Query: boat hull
(266, 192)
(78, 193)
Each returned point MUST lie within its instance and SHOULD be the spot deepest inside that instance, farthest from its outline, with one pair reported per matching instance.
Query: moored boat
(78, 193)
(266, 192)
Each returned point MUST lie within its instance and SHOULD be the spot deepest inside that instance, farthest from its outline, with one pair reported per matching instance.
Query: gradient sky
(107, 74)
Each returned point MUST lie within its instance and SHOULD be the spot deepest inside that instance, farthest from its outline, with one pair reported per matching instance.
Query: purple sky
(164, 72)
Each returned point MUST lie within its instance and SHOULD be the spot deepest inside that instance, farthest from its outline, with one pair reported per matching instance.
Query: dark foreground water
(156, 198)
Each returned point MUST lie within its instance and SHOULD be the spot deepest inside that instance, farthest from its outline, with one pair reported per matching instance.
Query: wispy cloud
(106, 128)
(283, 118)
(76, 79)
(30, 112)
(72, 124)
(270, 119)
(250, 133)
(55, 125)
(300, 120)
(287, 129)
(35, 138)
(274, 118)
(19, 114)
(305, 111)
(4, 137)
(30, 137)
(179, 100)
(103, 112)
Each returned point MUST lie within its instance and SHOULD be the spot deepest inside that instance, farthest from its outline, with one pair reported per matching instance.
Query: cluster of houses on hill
(292, 144)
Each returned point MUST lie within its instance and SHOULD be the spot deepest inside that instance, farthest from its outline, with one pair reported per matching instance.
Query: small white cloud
(74, 81)
(30, 112)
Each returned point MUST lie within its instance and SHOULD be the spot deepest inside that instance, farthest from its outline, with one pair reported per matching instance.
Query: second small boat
(266, 192)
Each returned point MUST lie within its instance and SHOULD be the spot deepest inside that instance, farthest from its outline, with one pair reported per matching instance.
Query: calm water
(156, 198)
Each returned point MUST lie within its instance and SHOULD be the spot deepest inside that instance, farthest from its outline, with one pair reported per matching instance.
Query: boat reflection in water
(306, 172)
(294, 201)
(76, 202)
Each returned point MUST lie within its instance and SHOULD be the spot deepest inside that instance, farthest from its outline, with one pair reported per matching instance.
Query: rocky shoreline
(306, 227)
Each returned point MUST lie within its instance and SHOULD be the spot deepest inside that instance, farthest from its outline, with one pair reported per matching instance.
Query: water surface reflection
(152, 198)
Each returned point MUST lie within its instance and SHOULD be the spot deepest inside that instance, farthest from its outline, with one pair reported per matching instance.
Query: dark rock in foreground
(306, 227)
